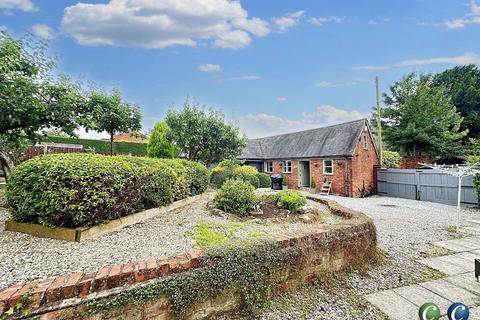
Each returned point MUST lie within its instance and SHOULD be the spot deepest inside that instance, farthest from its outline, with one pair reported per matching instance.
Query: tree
(203, 135)
(32, 99)
(112, 115)
(463, 85)
(159, 146)
(420, 118)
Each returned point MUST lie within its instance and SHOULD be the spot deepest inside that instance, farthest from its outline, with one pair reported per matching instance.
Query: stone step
(394, 305)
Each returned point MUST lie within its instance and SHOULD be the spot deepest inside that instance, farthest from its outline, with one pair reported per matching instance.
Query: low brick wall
(350, 243)
(413, 162)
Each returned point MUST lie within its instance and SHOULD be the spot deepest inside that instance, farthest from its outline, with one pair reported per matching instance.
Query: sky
(271, 66)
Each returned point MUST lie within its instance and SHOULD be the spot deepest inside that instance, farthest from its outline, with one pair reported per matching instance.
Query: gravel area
(25, 258)
(405, 229)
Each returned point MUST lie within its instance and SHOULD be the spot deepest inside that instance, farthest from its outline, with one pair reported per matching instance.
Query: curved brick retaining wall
(66, 297)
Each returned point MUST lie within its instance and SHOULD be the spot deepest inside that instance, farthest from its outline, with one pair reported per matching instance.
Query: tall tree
(112, 115)
(420, 118)
(202, 135)
(159, 146)
(463, 85)
(32, 99)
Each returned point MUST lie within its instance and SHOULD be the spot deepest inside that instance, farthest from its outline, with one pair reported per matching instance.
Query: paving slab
(466, 281)
(454, 246)
(447, 265)
(419, 295)
(451, 292)
(474, 242)
(394, 305)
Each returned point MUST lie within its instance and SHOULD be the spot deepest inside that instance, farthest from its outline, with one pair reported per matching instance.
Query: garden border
(86, 233)
(62, 297)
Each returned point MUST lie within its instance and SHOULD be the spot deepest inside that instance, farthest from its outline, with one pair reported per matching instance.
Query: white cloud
(464, 59)
(209, 68)
(246, 78)
(323, 84)
(263, 124)
(23, 5)
(326, 84)
(288, 20)
(162, 23)
(43, 31)
(472, 17)
(320, 21)
(370, 68)
(374, 22)
(282, 99)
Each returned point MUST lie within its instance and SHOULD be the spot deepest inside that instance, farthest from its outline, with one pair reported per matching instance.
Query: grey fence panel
(426, 185)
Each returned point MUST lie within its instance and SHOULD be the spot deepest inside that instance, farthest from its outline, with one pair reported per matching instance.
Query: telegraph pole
(379, 124)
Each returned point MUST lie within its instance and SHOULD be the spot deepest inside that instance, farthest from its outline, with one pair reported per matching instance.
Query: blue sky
(272, 66)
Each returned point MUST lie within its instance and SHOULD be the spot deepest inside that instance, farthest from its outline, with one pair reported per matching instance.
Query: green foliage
(421, 119)
(390, 159)
(75, 190)
(252, 180)
(102, 146)
(223, 172)
(264, 179)
(198, 177)
(203, 135)
(290, 199)
(285, 180)
(207, 234)
(313, 185)
(158, 144)
(112, 115)
(463, 85)
(236, 197)
(248, 174)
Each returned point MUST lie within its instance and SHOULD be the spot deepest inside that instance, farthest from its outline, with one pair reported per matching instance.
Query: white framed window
(327, 167)
(287, 166)
(269, 166)
(365, 141)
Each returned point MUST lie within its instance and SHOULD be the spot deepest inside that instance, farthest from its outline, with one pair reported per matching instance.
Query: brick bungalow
(344, 154)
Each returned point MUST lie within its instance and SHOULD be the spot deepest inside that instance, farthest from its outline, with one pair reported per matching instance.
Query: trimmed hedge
(236, 197)
(73, 190)
(103, 146)
(264, 179)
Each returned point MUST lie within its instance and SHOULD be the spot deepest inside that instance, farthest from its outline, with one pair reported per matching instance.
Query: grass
(208, 233)
(452, 230)
(436, 251)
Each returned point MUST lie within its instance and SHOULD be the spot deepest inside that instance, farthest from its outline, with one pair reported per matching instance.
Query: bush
(73, 190)
(235, 196)
(390, 159)
(290, 199)
(253, 180)
(223, 172)
(285, 180)
(265, 180)
(245, 171)
(198, 177)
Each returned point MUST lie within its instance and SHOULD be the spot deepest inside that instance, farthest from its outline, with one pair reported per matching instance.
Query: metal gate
(426, 185)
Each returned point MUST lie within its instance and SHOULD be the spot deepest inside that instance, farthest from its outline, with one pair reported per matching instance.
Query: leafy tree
(390, 159)
(159, 146)
(420, 118)
(203, 135)
(32, 99)
(463, 85)
(112, 115)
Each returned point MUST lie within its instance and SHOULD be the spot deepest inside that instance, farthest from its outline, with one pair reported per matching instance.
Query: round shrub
(236, 197)
(72, 190)
(181, 187)
(245, 171)
(223, 172)
(290, 199)
(198, 177)
(252, 180)
(264, 179)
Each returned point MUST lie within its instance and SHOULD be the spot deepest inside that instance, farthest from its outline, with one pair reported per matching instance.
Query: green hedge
(264, 179)
(75, 190)
(103, 146)
(236, 196)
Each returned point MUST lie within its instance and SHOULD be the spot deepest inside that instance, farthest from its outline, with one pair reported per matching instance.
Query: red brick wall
(362, 170)
(338, 177)
(412, 162)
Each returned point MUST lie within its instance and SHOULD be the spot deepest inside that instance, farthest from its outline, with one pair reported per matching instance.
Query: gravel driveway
(405, 228)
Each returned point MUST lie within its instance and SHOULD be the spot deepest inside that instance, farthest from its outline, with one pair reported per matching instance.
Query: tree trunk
(111, 144)
(7, 163)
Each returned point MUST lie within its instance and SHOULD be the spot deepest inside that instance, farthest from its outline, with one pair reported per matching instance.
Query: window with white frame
(287, 166)
(269, 166)
(327, 166)
(365, 141)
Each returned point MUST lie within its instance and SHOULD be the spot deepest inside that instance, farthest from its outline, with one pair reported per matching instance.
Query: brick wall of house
(292, 177)
(362, 170)
(337, 178)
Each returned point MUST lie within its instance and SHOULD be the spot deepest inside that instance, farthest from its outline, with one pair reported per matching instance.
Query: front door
(304, 173)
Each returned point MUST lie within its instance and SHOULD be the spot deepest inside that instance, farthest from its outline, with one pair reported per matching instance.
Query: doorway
(304, 173)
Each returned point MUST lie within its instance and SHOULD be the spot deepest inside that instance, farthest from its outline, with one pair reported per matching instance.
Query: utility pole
(379, 124)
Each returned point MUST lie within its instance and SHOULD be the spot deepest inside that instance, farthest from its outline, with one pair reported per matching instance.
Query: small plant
(236, 196)
(313, 186)
(265, 180)
(285, 182)
(390, 159)
(290, 199)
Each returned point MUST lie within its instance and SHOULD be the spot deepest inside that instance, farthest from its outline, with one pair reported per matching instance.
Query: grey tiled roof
(337, 140)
